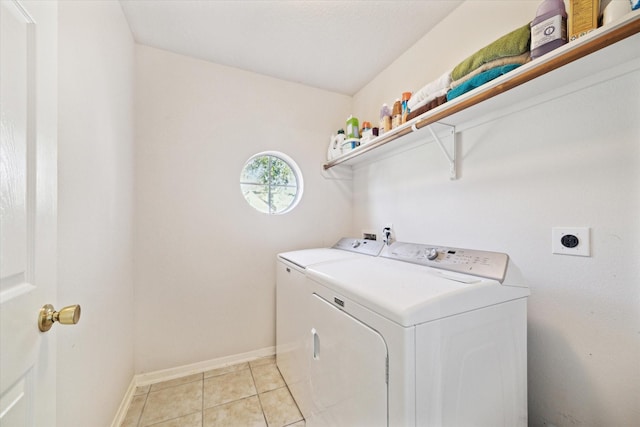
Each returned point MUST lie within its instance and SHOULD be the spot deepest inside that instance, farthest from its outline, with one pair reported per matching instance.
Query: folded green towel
(514, 43)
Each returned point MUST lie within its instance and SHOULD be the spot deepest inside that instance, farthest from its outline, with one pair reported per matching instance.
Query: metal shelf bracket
(450, 154)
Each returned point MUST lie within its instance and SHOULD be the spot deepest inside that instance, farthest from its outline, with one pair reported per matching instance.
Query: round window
(271, 183)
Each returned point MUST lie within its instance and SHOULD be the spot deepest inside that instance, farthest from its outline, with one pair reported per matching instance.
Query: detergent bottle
(549, 28)
(353, 128)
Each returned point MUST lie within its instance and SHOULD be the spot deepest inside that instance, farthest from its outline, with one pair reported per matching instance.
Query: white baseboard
(181, 371)
(195, 368)
(124, 404)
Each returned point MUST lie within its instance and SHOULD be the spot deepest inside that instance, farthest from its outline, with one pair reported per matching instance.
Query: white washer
(438, 340)
(292, 302)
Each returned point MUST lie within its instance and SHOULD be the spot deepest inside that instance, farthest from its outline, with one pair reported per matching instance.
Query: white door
(348, 369)
(28, 119)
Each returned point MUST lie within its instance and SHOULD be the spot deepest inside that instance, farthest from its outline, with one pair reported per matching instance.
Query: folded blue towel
(635, 4)
(479, 80)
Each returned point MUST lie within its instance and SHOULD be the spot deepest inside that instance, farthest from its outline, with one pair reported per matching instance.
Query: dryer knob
(355, 244)
(432, 254)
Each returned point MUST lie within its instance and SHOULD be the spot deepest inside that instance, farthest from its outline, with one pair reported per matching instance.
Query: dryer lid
(410, 294)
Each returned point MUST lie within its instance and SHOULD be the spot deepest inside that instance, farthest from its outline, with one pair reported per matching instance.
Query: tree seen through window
(269, 184)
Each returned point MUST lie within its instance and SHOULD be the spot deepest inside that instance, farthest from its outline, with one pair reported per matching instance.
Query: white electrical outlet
(571, 241)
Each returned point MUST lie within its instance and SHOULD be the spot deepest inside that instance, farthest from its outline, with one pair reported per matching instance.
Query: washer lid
(345, 248)
(307, 257)
(410, 294)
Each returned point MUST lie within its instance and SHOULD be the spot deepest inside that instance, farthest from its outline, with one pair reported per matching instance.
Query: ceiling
(334, 45)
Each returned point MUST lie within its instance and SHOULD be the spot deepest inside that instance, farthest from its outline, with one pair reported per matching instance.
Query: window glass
(271, 183)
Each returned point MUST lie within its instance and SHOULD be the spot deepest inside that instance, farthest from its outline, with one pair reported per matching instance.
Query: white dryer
(436, 340)
(292, 302)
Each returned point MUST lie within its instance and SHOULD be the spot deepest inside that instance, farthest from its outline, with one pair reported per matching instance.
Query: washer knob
(432, 254)
(355, 244)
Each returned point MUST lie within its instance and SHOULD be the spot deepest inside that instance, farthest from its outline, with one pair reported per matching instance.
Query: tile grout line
(294, 400)
(264, 416)
(202, 403)
(168, 388)
(146, 398)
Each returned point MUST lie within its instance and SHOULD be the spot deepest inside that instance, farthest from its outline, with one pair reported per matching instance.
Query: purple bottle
(549, 28)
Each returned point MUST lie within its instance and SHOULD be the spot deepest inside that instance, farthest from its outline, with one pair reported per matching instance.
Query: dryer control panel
(491, 265)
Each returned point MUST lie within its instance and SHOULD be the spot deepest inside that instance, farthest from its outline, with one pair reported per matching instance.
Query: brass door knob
(67, 316)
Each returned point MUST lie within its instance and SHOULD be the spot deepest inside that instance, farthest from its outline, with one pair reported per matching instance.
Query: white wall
(574, 161)
(95, 166)
(204, 259)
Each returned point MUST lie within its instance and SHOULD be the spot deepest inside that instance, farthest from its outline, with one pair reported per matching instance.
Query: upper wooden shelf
(587, 59)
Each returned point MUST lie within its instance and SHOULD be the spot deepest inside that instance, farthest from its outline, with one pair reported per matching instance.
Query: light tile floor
(248, 394)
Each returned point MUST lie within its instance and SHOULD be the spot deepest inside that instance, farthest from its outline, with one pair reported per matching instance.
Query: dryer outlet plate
(571, 241)
(370, 234)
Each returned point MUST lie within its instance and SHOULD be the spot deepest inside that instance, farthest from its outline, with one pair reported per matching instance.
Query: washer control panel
(491, 265)
(361, 246)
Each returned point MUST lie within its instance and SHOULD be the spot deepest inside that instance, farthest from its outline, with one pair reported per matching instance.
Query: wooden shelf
(577, 64)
